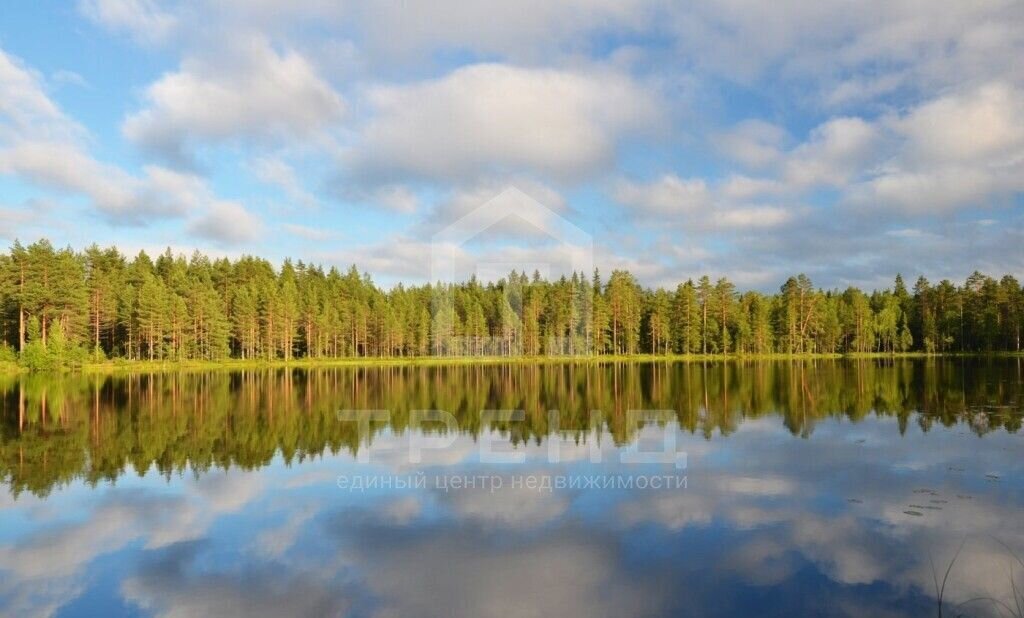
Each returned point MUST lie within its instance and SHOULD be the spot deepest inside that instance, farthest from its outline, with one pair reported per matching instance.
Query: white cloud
(497, 118)
(831, 45)
(142, 19)
(959, 150)
(227, 223)
(410, 33)
(761, 216)
(26, 109)
(753, 142)
(741, 187)
(308, 233)
(246, 90)
(274, 171)
(11, 220)
(463, 200)
(667, 195)
(692, 204)
(41, 145)
(938, 191)
(981, 126)
(836, 151)
(395, 198)
(63, 76)
(530, 29)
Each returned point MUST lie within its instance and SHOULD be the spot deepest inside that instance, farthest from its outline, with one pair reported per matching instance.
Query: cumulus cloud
(142, 19)
(412, 33)
(395, 198)
(883, 45)
(520, 191)
(227, 223)
(980, 125)
(11, 220)
(667, 195)
(532, 29)
(26, 109)
(693, 205)
(246, 90)
(41, 145)
(962, 149)
(308, 233)
(276, 172)
(752, 142)
(489, 118)
(836, 151)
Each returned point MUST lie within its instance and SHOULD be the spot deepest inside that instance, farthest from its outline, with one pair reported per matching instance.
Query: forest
(62, 307)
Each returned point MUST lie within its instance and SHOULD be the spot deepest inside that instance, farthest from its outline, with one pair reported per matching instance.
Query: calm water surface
(819, 488)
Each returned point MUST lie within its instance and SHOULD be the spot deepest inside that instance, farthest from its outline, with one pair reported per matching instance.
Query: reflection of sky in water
(769, 524)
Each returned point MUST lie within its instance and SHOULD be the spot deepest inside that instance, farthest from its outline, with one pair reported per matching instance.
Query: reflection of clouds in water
(391, 452)
(23, 501)
(509, 507)
(400, 512)
(673, 511)
(312, 477)
(758, 486)
(172, 585)
(117, 520)
(43, 572)
(274, 542)
(56, 555)
(212, 495)
(464, 571)
(871, 541)
(762, 511)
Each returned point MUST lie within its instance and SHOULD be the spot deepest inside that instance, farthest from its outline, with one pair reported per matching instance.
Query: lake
(826, 488)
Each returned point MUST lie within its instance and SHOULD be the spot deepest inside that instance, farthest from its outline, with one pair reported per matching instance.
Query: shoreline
(146, 366)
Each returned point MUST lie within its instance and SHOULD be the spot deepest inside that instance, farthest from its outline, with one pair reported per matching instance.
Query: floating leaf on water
(914, 513)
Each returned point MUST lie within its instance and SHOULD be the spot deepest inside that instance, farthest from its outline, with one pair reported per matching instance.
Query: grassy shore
(433, 361)
(146, 366)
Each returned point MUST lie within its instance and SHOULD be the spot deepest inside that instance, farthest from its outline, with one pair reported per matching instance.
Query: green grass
(137, 366)
(7, 368)
(120, 365)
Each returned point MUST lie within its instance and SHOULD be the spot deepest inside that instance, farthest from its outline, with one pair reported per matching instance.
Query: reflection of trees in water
(55, 429)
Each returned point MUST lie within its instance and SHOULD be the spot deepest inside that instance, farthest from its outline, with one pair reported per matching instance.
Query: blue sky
(747, 139)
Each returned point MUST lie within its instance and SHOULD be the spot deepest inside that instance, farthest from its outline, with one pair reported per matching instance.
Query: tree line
(61, 307)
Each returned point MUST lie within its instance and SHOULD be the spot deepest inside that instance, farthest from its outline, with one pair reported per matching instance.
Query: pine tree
(685, 312)
(724, 294)
(704, 299)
